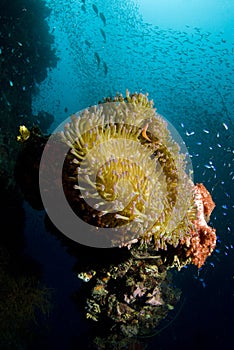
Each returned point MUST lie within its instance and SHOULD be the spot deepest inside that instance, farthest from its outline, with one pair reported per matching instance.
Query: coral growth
(22, 299)
(203, 237)
(132, 297)
(122, 170)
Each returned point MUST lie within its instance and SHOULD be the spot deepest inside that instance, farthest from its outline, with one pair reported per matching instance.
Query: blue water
(182, 54)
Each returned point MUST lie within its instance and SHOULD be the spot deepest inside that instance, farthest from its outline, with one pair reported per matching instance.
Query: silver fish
(105, 68)
(88, 43)
(96, 55)
(103, 18)
(103, 34)
(95, 9)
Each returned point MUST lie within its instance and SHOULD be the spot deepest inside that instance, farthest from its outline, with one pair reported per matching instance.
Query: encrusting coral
(203, 237)
(132, 297)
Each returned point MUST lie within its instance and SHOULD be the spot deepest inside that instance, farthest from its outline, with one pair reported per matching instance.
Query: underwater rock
(27, 164)
(130, 298)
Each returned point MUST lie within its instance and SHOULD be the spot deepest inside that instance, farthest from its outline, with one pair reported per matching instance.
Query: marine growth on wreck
(118, 169)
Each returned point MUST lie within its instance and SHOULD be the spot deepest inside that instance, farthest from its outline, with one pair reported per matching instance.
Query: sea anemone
(124, 172)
